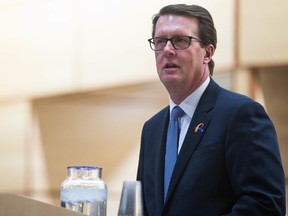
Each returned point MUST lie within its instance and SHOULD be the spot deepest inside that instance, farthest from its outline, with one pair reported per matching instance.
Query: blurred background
(78, 81)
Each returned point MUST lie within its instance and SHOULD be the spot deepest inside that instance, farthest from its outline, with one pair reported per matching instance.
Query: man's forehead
(175, 17)
(171, 21)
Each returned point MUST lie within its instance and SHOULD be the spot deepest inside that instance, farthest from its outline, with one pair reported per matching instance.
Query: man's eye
(179, 40)
(160, 41)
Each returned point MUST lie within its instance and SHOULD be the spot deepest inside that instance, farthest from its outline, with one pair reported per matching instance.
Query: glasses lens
(182, 42)
(158, 43)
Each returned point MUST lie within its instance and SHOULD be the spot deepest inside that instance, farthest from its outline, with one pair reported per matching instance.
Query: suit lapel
(159, 166)
(193, 138)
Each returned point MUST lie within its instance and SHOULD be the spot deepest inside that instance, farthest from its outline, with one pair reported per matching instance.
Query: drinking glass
(131, 203)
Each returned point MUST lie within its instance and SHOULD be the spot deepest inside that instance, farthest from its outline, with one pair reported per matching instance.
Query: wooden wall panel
(263, 32)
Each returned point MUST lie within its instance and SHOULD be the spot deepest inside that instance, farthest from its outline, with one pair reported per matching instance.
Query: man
(228, 159)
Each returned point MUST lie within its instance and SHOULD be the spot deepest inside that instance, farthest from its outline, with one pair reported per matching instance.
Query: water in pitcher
(91, 202)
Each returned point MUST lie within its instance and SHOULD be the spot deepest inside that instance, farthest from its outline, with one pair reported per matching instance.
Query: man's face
(180, 69)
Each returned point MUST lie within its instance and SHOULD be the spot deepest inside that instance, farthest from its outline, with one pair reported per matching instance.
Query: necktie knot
(176, 112)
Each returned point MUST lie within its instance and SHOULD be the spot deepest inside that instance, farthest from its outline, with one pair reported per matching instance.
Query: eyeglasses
(179, 42)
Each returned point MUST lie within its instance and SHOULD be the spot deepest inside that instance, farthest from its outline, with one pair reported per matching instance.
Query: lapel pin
(199, 128)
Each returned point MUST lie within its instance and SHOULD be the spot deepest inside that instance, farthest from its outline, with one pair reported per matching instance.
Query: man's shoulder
(231, 102)
(160, 115)
(226, 95)
(218, 97)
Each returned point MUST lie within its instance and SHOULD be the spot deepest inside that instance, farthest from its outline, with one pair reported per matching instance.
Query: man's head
(207, 32)
(184, 40)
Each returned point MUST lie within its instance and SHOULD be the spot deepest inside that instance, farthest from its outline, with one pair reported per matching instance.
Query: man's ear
(209, 52)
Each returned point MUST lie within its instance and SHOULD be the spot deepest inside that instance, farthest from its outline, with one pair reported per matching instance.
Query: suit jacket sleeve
(254, 164)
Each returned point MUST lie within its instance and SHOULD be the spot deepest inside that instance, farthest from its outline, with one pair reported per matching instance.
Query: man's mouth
(170, 65)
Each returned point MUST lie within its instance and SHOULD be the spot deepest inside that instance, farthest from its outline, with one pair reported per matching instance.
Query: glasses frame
(171, 40)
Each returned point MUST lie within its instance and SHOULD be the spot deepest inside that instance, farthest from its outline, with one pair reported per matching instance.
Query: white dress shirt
(188, 106)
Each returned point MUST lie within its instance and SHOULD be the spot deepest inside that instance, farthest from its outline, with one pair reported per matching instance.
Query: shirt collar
(190, 103)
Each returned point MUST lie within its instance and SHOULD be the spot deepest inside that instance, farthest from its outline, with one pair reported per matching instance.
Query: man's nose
(169, 49)
(169, 45)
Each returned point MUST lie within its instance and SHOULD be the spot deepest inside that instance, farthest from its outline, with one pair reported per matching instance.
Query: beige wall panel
(275, 88)
(36, 48)
(13, 131)
(263, 32)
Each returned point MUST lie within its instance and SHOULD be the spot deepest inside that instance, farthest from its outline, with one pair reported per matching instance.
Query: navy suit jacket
(233, 167)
